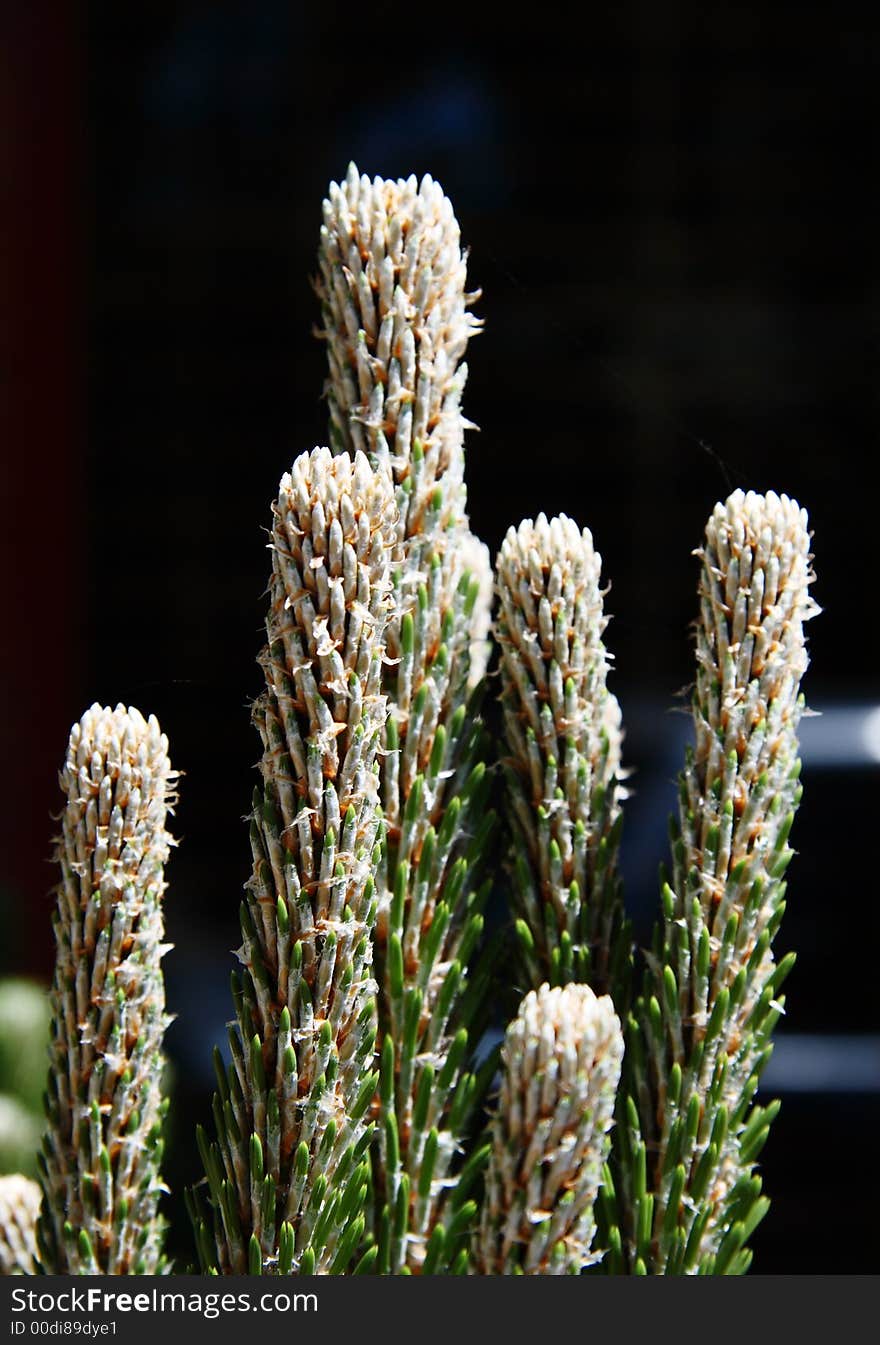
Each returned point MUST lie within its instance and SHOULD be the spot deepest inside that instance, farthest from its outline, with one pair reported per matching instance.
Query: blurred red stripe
(41, 337)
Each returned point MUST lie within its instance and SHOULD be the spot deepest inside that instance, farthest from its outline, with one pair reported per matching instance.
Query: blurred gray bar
(841, 735)
(834, 735)
(823, 1063)
(803, 1062)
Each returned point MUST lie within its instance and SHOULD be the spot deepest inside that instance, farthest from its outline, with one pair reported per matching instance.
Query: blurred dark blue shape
(223, 61)
(450, 125)
(229, 75)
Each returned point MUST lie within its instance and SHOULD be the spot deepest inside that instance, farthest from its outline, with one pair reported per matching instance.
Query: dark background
(669, 212)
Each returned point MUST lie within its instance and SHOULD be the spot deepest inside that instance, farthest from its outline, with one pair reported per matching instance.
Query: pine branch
(563, 738)
(19, 1207)
(102, 1150)
(396, 322)
(701, 1030)
(288, 1172)
(395, 319)
(550, 1134)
